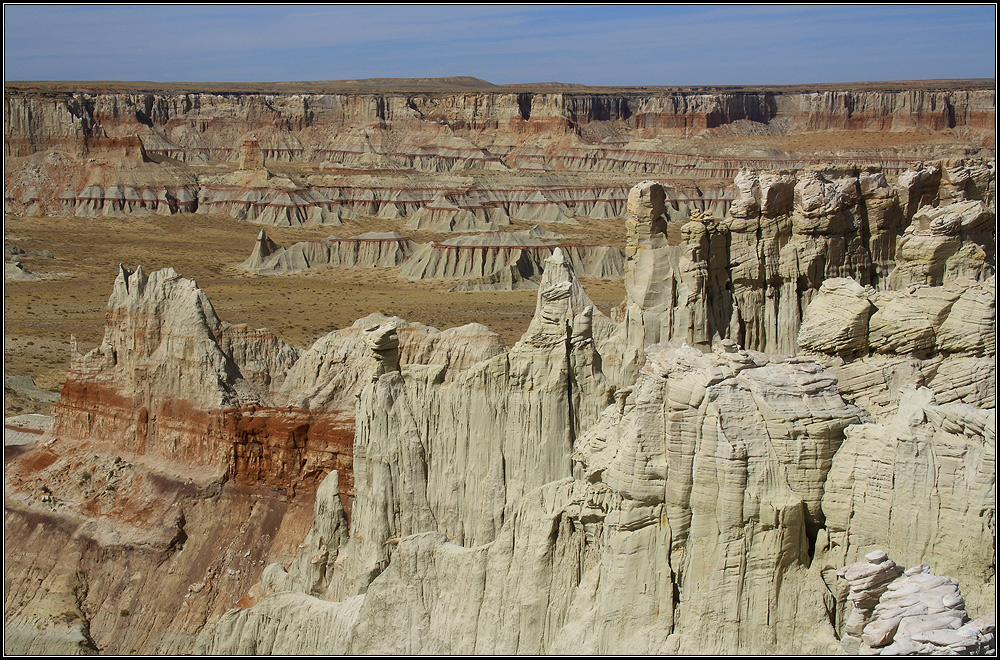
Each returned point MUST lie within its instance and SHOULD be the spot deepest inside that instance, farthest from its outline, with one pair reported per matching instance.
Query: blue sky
(587, 44)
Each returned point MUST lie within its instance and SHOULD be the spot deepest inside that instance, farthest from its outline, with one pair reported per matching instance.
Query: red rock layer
(280, 448)
(292, 127)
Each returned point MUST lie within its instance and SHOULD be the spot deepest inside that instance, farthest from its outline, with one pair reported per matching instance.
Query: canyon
(782, 439)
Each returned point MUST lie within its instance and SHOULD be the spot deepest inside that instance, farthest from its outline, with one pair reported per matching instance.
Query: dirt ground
(40, 316)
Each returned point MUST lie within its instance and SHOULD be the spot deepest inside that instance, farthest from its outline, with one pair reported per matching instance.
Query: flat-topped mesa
(504, 261)
(523, 133)
(368, 250)
(262, 198)
(489, 122)
(478, 256)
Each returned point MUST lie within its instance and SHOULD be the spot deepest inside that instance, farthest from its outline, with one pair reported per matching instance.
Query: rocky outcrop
(191, 447)
(922, 487)
(912, 612)
(263, 198)
(498, 260)
(724, 486)
(124, 180)
(172, 380)
(573, 552)
(368, 250)
(444, 215)
(941, 337)
(751, 276)
(13, 269)
(460, 454)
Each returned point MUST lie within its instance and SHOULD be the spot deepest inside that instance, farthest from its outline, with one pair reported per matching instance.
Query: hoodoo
(781, 441)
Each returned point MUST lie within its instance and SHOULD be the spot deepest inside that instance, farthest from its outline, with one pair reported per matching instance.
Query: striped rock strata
(368, 250)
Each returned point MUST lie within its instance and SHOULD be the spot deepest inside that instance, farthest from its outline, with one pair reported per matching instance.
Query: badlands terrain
(441, 366)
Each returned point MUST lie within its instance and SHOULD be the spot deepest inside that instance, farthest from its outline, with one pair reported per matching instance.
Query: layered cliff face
(62, 148)
(646, 549)
(173, 381)
(193, 126)
(939, 337)
(644, 485)
(751, 276)
(368, 250)
(930, 462)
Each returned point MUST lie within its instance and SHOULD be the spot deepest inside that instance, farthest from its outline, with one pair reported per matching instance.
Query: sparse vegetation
(299, 308)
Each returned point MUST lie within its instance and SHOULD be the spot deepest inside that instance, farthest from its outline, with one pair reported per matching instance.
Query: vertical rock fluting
(672, 289)
(507, 425)
(921, 486)
(635, 553)
(751, 276)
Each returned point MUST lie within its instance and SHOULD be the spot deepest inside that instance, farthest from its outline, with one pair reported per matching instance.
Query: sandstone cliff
(296, 126)
(751, 276)
(645, 485)
(636, 552)
(62, 148)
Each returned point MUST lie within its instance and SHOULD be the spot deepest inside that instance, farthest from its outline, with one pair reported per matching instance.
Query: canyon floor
(71, 297)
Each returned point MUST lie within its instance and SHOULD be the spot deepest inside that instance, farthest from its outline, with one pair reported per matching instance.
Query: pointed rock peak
(262, 236)
(139, 278)
(559, 268)
(561, 305)
(124, 272)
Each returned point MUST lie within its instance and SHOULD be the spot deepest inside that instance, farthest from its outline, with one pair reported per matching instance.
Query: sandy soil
(40, 316)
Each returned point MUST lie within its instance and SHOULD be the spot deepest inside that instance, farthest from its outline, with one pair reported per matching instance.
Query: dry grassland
(40, 316)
